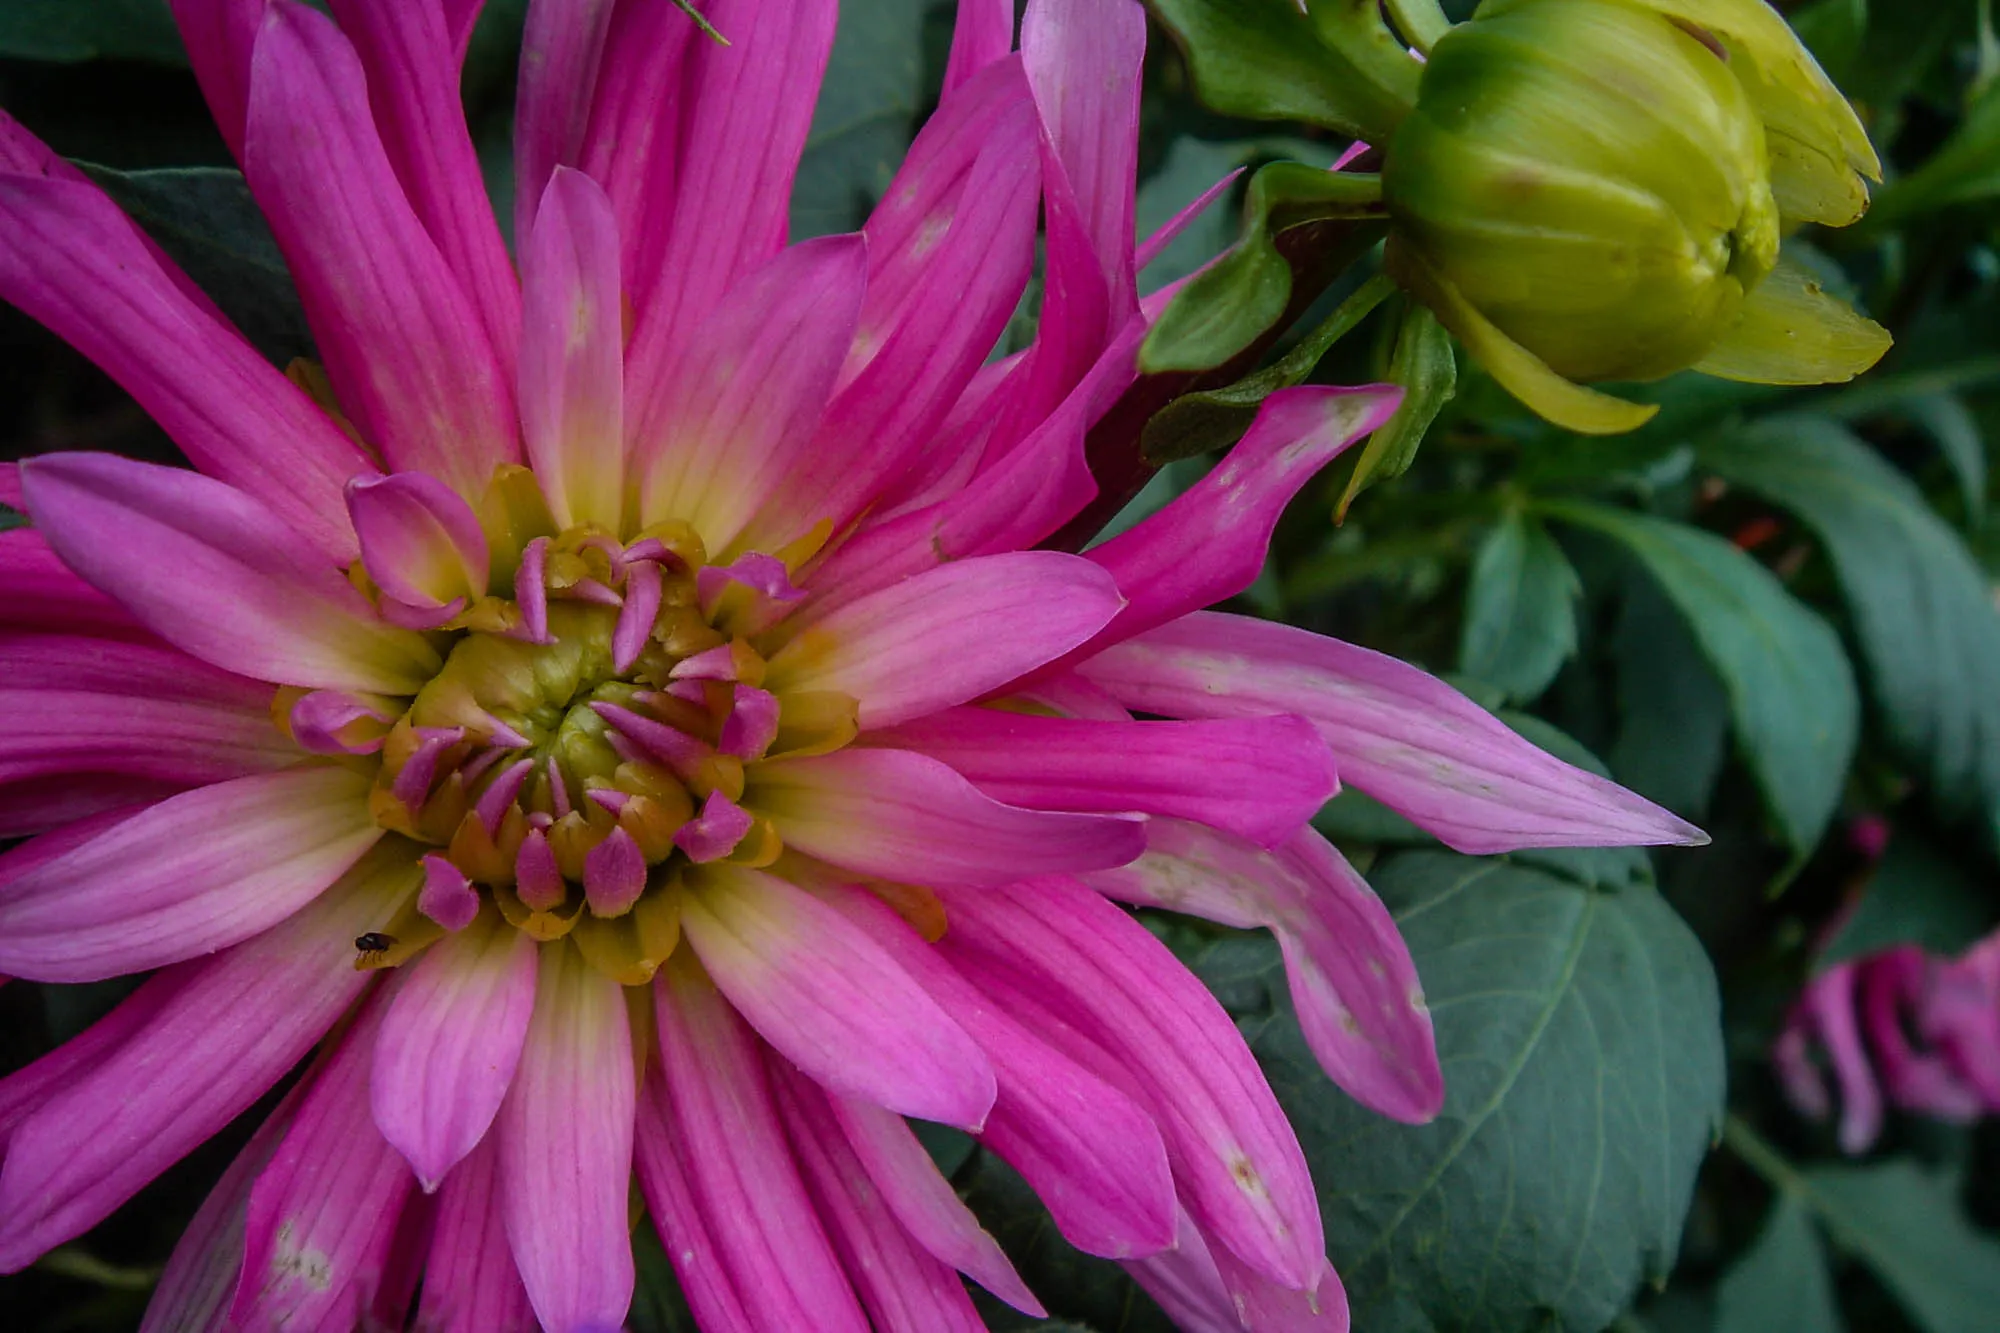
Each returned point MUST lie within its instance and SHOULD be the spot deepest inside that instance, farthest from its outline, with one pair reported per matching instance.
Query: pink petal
(895, 814)
(44, 596)
(1892, 984)
(1404, 737)
(36, 805)
(950, 250)
(825, 996)
(470, 1282)
(916, 1193)
(983, 34)
(1038, 486)
(69, 259)
(719, 1178)
(1206, 1289)
(448, 898)
(217, 574)
(449, 1045)
(233, 1025)
(1084, 62)
(632, 147)
(1261, 778)
(562, 47)
(404, 348)
(420, 541)
(1094, 1157)
(949, 635)
(573, 354)
(1960, 1015)
(904, 1289)
(1091, 967)
(74, 704)
(219, 35)
(412, 58)
(1356, 991)
(323, 1213)
(1209, 543)
(614, 874)
(743, 123)
(752, 723)
(716, 831)
(201, 1276)
(341, 722)
(195, 873)
(717, 429)
(566, 1149)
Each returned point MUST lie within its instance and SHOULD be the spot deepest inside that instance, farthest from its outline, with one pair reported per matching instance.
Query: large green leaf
(1791, 691)
(90, 30)
(866, 116)
(1581, 1041)
(206, 220)
(1781, 1284)
(1905, 1223)
(1520, 609)
(1922, 610)
(1673, 714)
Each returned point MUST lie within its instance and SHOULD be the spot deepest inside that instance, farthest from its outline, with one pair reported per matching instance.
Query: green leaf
(1425, 367)
(1340, 68)
(1673, 732)
(1791, 691)
(11, 518)
(1520, 609)
(1948, 421)
(1918, 895)
(1922, 609)
(866, 117)
(1781, 1284)
(1905, 1223)
(206, 220)
(90, 30)
(1210, 419)
(1965, 170)
(1581, 1041)
(1242, 296)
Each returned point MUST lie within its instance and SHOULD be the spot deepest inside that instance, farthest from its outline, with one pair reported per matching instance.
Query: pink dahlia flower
(1902, 1027)
(619, 719)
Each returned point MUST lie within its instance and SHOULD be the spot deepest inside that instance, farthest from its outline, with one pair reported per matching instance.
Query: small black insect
(374, 942)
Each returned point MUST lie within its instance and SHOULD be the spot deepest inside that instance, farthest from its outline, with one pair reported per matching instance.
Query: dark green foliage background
(1773, 611)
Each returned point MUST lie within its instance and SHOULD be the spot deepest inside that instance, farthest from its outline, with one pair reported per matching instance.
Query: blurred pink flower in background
(1902, 1027)
(684, 763)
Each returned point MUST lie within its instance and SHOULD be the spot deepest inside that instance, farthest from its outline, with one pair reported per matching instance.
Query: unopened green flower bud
(1595, 189)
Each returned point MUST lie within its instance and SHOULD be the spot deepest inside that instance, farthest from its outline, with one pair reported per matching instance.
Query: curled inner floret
(589, 737)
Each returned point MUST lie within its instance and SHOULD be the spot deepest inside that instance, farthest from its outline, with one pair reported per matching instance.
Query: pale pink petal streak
(230, 1027)
(196, 873)
(324, 1211)
(748, 108)
(1064, 958)
(719, 1178)
(717, 430)
(573, 354)
(633, 145)
(1397, 733)
(827, 997)
(450, 1042)
(404, 347)
(71, 260)
(1209, 543)
(899, 815)
(470, 1282)
(950, 635)
(218, 575)
(904, 1289)
(566, 1148)
(562, 46)
(1091, 1154)
(412, 60)
(912, 1188)
(1352, 981)
(1261, 779)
